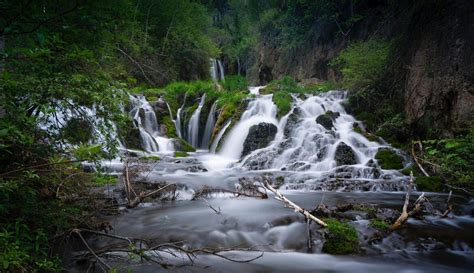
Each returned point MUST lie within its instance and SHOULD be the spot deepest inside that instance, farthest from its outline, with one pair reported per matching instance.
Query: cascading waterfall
(211, 121)
(214, 72)
(221, 133)
(221, 70)
(145, 119)
(193, 125)
(177, 123)
(259, 110)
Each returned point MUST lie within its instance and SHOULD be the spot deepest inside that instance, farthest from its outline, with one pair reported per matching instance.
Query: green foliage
(341, 238)
(454, 158)
(428, 183)
(379, 224)
(362, 63)
(235, 83)
(282, 90)
(99, 179)
(388, 159)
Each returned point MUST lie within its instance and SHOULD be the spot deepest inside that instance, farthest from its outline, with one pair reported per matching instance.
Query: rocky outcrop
(259, 136)
(345, 155)
(431, 80)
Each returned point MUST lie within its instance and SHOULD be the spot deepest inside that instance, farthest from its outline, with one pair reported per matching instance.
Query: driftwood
(416, 158)
(418, 205)
(292, 205)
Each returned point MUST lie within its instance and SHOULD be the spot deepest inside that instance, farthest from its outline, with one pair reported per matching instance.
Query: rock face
(345, 155)
(259, 136)
(434, 83)
(292, 122)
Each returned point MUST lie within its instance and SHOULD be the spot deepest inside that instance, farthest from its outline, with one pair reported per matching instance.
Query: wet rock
(325, 120)
(345, 155)
(196, 169)
(259, 136)
(299, 166)
(292, 122)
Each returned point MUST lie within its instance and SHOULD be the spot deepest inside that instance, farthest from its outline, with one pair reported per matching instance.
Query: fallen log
(292, 205)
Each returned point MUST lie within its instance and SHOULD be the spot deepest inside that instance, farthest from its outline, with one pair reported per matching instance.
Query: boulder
(325, 120)
(345, 155)
(259, 136)
(292, 122)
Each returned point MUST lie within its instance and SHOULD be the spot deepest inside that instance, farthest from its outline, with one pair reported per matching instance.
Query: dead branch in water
(405, 213)
(416, 158)
(292, 205)
(146, 250)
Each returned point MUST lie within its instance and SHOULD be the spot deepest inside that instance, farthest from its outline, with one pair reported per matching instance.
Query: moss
(388, 159)
(341, 238)
(184, 146)
(180, 154)
(428, 183)
(129, 135)
(371, 211)
(170, 127)
(283, 101)
(150, 158)
(99, 179)
(279, 181)
(379, 224)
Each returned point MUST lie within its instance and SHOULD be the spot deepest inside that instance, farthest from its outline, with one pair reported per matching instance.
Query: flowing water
(305, 159)
(193, 126)
(210, 123)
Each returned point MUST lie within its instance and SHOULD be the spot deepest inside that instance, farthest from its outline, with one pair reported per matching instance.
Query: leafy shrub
(362, 63)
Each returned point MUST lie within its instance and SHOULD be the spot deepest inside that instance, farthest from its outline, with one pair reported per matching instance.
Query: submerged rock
(345, 155)
(259, 136)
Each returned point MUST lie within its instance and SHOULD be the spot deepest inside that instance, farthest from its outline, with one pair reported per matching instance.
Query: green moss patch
(428, 183)
(389, 160)
(341, 238)
(379, 224)
(150, 158)
(180, 154)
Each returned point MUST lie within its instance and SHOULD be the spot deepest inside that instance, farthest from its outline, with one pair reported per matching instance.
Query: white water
(217, 70)
(255, 90)
(150, 136)
(193, 125)
(214, 68)
(221, 70)
(259, 110)
(219, 136)
(177, 123)
(210, 123)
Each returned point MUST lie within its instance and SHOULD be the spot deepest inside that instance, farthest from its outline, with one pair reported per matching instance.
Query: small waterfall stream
(145, 119)
(193, 125)
(210, 123)
(221, 133)
(259, 110)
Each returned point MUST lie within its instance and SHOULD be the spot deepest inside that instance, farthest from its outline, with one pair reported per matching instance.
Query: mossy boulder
(182, 145)
(130, 135)
(340, 238)
(180, 154)
(325, 120)
(388, 159)
(259, 136)
(345, 155)
(428, 183)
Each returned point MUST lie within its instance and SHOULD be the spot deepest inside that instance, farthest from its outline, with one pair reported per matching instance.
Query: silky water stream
(304, 158)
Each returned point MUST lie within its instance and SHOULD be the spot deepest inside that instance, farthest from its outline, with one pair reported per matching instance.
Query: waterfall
(259, 110)
(221, 70)
(214, 72)
(211, 121)
(255, 90)
(193, 125)
(145, 119)
(177, 123)
(219, 136)
(304, 144)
